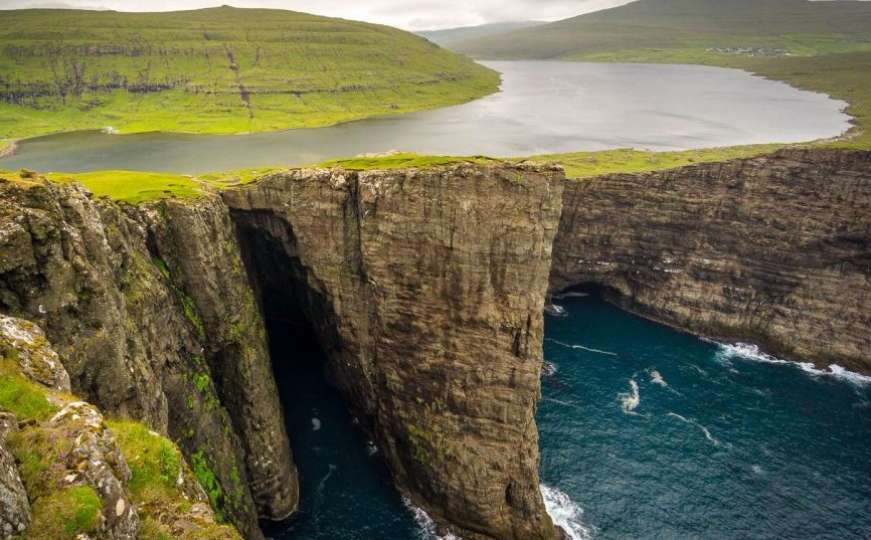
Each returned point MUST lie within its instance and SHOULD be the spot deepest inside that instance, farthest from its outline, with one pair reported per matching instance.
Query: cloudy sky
(408, 14)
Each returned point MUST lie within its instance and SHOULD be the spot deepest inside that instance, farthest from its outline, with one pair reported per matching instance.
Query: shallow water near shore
(645, 433)
(543, 107)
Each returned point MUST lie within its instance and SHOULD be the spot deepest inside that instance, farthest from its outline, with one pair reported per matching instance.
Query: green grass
(20, 396)
(133, 186)
(399, 161)
(771, 27)
(210, 483)
(154, 461)
(65, 513)
(218, 70)
(584, 164)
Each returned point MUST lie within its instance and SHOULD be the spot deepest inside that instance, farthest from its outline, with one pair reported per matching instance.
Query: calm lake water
(543, 107)
(645, 433)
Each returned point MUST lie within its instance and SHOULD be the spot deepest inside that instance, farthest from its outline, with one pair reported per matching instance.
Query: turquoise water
(645, 433)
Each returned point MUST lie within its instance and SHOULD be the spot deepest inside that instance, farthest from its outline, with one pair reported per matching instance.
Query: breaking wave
(656, 378)
(629, 401)
(752, 352)
(565, 513)
(428, 527)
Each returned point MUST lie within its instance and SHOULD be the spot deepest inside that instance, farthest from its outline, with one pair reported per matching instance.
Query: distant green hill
(448, 36)
(219, 70)
(739, 27)
(823, 46)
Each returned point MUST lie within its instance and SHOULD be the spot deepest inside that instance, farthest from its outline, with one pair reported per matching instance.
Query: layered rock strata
(774, 249)
(151, 312)
(425, 288)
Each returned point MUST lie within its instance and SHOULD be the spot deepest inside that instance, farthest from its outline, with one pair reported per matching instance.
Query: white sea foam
(548, 369)
(428, 527)
(371, 448)
(629, 401)
(713, 440)
(757, 469)
(656, 378)
(316, 424)
(581, 347)
(565, 513)
(748, 351)
(555, 310)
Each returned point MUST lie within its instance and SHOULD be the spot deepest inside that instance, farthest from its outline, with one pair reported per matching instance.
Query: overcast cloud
(408, 14)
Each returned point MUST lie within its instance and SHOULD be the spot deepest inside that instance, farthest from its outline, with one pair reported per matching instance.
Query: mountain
(449, 36)
(217, 70)
(753, 27)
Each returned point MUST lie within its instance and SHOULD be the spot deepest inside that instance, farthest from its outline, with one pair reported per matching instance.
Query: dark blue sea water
(645, 433)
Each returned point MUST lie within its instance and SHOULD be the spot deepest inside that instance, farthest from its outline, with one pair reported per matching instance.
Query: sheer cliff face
(426, 290)
(775, 249)
(150, 309)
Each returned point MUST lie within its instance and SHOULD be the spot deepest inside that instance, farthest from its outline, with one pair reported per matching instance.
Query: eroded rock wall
(426, 288)
(151, 312)
(775, 249)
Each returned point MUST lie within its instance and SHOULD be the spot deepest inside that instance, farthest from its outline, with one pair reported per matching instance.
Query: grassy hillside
(449, 36)
(728, 27)
(219, 70)
(820, 46)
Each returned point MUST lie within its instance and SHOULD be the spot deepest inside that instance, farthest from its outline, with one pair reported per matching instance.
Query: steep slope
(448, 36)
(218, 70)
(762, 27)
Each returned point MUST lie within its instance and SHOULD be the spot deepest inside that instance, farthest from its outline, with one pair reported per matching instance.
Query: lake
(543, 107)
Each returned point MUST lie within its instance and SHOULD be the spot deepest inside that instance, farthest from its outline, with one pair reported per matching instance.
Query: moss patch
(65, 513)
(20, 396)
(209, 482)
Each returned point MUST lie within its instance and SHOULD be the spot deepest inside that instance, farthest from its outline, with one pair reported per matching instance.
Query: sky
(407, 14)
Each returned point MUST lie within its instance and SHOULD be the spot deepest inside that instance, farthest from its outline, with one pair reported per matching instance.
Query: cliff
(775, 249)
(430, 317)
(150, 310)
(426, 290)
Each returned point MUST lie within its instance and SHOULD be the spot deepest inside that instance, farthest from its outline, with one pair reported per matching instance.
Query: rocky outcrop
(14, 505)
(144, 337)
(774, 249)
(76, 473)
(426, 289)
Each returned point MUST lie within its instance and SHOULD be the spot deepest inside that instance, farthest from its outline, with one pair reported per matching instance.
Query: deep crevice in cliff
(325, 437)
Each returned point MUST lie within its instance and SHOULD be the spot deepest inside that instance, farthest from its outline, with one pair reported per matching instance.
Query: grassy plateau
(217, 70)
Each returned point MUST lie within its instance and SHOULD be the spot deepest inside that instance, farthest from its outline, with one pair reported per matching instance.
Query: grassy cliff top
(217, 70)
(818, 46)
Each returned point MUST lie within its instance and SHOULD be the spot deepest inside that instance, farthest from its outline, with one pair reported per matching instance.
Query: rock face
(426, 290)
(68, 445)
(775, 249)
(14, 505)
(171, 341)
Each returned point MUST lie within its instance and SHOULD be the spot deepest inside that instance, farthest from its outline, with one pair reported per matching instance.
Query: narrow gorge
(424, 289)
